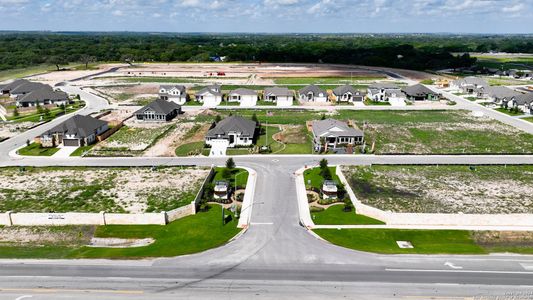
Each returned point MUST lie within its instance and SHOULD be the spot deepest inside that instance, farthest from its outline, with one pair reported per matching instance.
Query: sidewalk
(248, 201)
(428, 227)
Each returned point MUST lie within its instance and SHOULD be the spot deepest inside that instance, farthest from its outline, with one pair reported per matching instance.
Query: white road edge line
(459, 271)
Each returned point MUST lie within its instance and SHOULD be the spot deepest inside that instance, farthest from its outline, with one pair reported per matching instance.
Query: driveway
(64, 152)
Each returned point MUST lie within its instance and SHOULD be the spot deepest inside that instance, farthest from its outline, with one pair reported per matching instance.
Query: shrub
(230, 164)
(316, 209)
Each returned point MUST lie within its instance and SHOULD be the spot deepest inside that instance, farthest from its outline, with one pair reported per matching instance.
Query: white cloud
(281, 2)
(514, 8)
(117, 13)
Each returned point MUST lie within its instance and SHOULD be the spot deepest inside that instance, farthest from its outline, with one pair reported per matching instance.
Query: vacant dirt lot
(130, 94)
(445, 189)
(131, 190)
(8, 130)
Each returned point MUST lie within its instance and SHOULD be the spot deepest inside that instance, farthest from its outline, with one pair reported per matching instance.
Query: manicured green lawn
(35, 149)
(242, 176)
(185, 149)
(55, 112)
(188, 235)
(81, 150)
(529, 119)
(335, 215)
(313, 175)
(508, 112)
(379, 103)
(384, 241)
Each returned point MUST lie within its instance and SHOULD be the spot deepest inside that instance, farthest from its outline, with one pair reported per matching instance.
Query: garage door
(71, 142)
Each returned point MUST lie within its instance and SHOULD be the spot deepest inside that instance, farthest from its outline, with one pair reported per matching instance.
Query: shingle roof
(170, 87)
(472, 80)
(242, 92)
(341, 90)
(279, 91)
(13, 84)
(233, 124)
(160, 106)
(78, 125)
(210, 89)
(501, 92)
(313, 89)
(417, 90)
(42, 94)
(28, 86)
(524, 99)
(324, 128)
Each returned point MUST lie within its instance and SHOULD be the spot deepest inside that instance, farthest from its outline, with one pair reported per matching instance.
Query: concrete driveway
(64, 152)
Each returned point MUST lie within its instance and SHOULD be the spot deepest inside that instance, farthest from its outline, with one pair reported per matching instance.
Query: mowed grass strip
(384, 241)
(335, 215)
(188, 235)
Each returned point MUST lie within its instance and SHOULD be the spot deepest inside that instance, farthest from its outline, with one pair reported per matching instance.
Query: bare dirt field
(130, 190)
(8, 130)
(130, 94)
(55, 77)
(444, 189)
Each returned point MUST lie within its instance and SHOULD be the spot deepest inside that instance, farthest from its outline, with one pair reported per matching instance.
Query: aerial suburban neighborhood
(266, 149)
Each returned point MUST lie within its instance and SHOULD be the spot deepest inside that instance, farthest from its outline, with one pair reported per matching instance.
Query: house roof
(279, 91)
(171, 87)
(233, 124)
(383, 85)
(472, 80)
(341, 90)
(417, 90)
(243, 92)
(312, 89)
(334, 128)
(42, 94)
(524, 99)
(13, 84)
(501, 92)
(212, 89)
(27, 87)
(160, 106)
(78, 125)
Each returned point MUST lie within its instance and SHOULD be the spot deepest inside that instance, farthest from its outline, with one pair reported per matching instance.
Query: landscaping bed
(444, 189)
(79, 189)
(187, 235)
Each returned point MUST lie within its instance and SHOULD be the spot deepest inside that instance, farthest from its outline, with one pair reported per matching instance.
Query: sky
(272, 16)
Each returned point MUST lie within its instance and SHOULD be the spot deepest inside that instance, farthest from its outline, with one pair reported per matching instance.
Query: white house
(501, 95)
(523, 102)
(174, 93)
(210, 96)
(282, 96)
(236, 131)
(347, 93)
(471, 85)
(245, 97)
(383, 92)
(313, 93)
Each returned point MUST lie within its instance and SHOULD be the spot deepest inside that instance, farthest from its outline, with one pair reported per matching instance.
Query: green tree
(323, 163)
(254, 118)
(230, 164)
(218, 118)
(87, 59)
(46, 112)
(57, 60)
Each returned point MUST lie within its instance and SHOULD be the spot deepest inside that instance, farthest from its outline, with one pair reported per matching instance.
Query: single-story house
(523, 102)
(245, 97)
(313, 93)
(500, 95)
(383, 92)
(174, 93)
(210, 96)
(329, 189)
(282, 96)
(6, 88)
(26, 87)
(43, 96)
(77, 131)
(471, 85)
(234, 130)
(419, 92)
(330, 134)
(158, 111)
(348, 93)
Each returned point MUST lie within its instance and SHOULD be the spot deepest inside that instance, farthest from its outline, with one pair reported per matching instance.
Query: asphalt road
(275, 257)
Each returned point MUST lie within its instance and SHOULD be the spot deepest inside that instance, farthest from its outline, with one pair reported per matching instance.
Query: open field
(416, 132)
(430, 241)
(444, 189)
(326, 80)
(8, 130)
(188, 235)
(504, 62)
(130, 190)
(23, 72)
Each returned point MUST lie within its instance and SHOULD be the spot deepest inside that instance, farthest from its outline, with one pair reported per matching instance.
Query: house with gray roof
(313, 93)
(383, 92)
(348, 93)
(523, 102)
(234, 131)
(43, 96)
(174, 93)
(334, 135)
(210, 96)
(6, 88)
(158, 111)
(77, 131)
(245, 97)
(26, 87)
(282, 96)
(471, 85)
(501, 95)
(419, 92)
